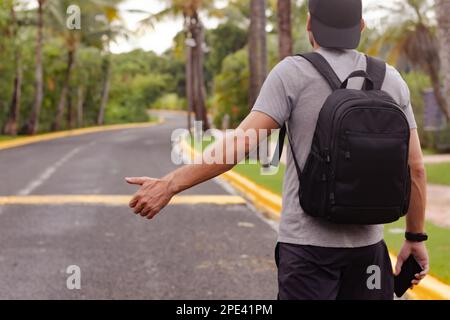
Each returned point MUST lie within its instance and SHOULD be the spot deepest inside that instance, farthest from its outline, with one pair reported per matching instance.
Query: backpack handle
(369, 85)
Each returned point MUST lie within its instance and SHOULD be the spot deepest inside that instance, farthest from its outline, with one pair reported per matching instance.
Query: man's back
(295, 92)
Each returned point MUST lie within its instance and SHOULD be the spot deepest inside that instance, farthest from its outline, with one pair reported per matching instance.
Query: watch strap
(416, 237)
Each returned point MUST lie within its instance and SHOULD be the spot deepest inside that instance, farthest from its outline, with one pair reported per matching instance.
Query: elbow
(419, 172)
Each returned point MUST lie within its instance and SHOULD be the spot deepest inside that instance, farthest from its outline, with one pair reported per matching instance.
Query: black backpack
(357, 171)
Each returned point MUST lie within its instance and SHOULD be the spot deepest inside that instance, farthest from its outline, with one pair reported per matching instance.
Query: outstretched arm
(154, 194)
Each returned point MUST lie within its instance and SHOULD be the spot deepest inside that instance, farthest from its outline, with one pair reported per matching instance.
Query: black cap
(336, 23)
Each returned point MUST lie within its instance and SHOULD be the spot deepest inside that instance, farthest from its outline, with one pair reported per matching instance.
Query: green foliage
(170, 101)
(139, 80)
(224, 40)
(131, 101)
(231, 87)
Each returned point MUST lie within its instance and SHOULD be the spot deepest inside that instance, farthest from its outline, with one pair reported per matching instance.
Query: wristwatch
(416, 237)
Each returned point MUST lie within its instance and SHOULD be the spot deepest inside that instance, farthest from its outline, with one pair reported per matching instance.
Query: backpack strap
(324, 68)
(376, 70)
(279, 150)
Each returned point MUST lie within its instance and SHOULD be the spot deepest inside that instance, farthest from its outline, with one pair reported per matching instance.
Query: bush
(170, 101)
(130, 102)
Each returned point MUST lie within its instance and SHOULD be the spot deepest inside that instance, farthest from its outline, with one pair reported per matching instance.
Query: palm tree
(106, 67)
(102, 36)
(443, 17)
(411, 35)
(71, 43)
(110, 26)
(284, 12)
(10, 127)
(257, 48)
(33, 123)
(190, 10)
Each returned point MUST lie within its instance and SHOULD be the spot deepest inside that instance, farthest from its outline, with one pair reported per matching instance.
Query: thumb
(136, 180)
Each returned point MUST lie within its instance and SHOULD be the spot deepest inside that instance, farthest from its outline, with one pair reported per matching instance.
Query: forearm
(217, 159)
(415, 220)
(194, 174)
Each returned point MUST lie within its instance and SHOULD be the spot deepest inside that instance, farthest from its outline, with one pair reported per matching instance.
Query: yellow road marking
(114, 200)
(71, 133)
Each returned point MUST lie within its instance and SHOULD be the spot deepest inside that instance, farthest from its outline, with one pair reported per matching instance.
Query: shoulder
(396, 85)
(392, 74)
(294, 70)
(289, 64)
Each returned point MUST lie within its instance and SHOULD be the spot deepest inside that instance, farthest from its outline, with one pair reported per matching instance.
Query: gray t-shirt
(295, 92)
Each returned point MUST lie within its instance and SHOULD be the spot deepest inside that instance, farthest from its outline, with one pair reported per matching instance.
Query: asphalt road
(188, 252)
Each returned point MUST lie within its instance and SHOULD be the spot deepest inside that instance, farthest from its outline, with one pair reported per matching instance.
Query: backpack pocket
(313, 186)
(371, 171)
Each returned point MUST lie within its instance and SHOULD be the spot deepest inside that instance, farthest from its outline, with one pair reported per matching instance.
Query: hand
(419, 251)
(152, 196)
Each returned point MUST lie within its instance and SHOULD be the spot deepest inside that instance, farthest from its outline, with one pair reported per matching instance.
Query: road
(190, 251)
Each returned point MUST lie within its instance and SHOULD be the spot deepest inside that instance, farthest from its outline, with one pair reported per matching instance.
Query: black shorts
(317, 273)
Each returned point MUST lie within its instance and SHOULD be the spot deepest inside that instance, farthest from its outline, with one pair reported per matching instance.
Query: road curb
(271, 204)
(72, 133)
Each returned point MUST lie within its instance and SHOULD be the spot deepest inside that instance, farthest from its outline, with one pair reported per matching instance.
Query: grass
(273, 183)
(429, 152)
(252, 171)
(439, 173)
(7, 138)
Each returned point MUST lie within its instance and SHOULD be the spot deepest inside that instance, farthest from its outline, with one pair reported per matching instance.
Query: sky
(159, 38)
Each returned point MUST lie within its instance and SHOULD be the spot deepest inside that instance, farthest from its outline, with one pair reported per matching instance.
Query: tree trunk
(70, 111)
(189, 79)
(65, 90)
(14, 109)
(198, 82)
(200, 87)
(80, 104)
(257, 48)
(284, 28)
(443, 17)
(105, 91)
(10, 127)
(33, 123)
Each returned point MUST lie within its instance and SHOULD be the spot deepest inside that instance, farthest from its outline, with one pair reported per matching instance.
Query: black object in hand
(402, 282)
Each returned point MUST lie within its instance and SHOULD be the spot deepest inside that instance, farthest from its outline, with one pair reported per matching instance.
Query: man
(316, 259)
